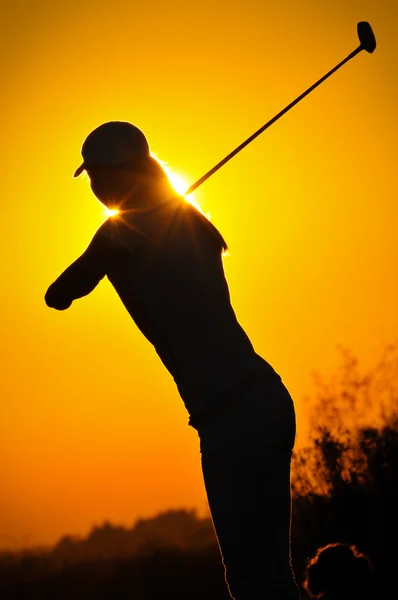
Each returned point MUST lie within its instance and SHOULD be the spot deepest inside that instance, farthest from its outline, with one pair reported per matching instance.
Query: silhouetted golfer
(164, 259)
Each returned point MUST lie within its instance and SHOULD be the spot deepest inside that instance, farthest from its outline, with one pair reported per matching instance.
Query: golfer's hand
(54, 298)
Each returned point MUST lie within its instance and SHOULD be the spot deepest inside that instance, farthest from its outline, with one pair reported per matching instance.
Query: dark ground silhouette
(175, 554)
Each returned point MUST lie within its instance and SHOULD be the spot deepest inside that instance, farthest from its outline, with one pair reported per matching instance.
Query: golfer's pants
(246, 451)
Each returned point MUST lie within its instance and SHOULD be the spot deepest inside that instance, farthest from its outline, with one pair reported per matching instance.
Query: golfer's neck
(149, 194)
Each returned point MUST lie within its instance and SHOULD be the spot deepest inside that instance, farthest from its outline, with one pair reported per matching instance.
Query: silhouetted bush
(345, 483)
(180, 529)
(340, 572)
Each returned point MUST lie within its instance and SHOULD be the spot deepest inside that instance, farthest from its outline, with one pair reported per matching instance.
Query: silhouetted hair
(339, 571)
(151, 167)
(208, 226)
(147, 166)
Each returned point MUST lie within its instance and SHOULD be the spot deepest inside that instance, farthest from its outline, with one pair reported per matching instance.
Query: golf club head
(366, 36)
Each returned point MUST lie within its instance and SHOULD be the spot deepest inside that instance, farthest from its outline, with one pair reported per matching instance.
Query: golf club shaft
(264, 127)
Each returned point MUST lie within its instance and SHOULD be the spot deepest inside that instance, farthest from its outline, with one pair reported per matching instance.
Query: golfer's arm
(78, 280)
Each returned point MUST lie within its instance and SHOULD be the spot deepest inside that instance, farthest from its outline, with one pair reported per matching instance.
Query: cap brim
(79, 170)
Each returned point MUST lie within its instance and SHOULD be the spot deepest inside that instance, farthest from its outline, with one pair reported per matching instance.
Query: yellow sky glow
(92, 427)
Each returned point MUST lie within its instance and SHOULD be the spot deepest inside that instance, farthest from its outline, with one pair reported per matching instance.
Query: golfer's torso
(178, 296)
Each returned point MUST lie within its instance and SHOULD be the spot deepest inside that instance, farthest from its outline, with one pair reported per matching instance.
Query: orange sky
(91, 426)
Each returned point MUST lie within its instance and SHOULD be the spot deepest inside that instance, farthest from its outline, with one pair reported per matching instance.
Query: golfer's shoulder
(116, 233)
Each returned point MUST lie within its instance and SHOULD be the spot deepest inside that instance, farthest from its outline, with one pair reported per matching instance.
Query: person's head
(124, 175)
(117, 159)
(339, 571)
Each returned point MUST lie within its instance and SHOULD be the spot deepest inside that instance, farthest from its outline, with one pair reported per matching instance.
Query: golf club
(367, 42)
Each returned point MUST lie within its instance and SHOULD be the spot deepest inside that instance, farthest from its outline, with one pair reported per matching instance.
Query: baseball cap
(112, 143)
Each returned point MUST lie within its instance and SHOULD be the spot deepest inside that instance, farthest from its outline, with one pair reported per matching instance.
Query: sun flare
(181, 186)
(178, 183)
(110, 212)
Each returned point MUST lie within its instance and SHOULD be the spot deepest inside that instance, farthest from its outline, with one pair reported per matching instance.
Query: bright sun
(181, 186)
(109, 212)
